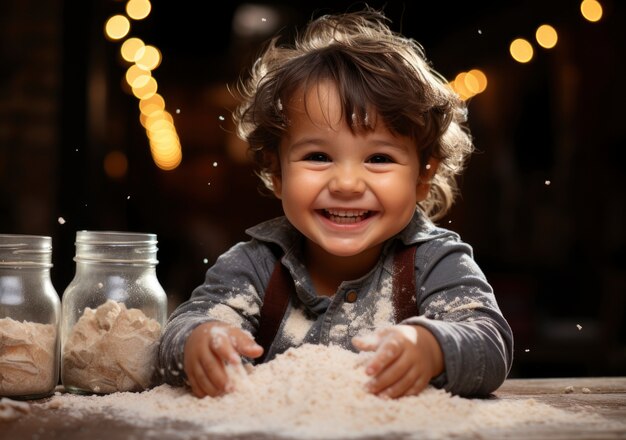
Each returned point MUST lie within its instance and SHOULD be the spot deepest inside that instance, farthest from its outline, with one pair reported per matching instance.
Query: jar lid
(18, 250)
(116, 247)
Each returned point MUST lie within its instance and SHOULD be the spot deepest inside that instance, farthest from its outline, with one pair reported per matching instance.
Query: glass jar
(30, 310)
(114, 311)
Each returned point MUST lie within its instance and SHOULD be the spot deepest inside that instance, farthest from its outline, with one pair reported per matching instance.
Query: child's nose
(347, 179)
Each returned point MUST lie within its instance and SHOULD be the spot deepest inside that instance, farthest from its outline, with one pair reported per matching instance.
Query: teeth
(346, 212)
(346, 216)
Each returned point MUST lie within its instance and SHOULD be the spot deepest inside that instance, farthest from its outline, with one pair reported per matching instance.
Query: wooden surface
(604, 396)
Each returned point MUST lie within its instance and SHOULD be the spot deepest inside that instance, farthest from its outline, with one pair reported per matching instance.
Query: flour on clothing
(296, 325)
(245, 302)
(224, 313)
(453, 309)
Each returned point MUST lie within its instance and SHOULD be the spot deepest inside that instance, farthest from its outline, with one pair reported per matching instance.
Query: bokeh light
(115, 164)
(138, 9)
(521, 50)
(591, 10)
(546, 36)
(117, 27)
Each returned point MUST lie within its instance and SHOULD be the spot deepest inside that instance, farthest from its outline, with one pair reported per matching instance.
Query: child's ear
(277, 185)
(425, 178)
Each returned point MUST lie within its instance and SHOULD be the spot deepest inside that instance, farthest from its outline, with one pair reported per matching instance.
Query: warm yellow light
(138, 9)
(158, 115)
(115, 164)
(162, 141)
(471, 83)
(546, 36)
(130, 47)
(116, 27)
(521, 50)
(151, 104)
(148, 57)
(167, 155)
(159, 126)
(591, 10)
(480, 77)
(459, 86)
(149, 89)
(137, 77)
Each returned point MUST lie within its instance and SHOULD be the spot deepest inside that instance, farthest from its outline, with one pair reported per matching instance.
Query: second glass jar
(113, 313)
(29, 318)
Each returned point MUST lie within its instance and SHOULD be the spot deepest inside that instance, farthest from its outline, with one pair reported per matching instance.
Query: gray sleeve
(457, 304)
(232, 292)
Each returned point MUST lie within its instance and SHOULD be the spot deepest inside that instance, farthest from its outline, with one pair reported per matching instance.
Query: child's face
(347, 193)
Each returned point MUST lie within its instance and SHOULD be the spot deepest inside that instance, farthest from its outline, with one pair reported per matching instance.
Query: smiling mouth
(346, 216)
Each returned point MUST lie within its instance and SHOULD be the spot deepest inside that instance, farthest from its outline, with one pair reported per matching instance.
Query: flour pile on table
(12, 409)
(318, 392)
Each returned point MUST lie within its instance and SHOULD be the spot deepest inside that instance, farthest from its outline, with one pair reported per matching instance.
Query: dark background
(555, 253)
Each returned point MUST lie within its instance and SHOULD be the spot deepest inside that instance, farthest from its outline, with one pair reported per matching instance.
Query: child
(361, 141)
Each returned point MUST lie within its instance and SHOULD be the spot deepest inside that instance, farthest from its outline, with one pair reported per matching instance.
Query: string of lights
(469, 84)
(144, 59)
(158, 123)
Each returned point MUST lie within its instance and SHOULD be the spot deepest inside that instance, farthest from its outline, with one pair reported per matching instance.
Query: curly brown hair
(372, 68)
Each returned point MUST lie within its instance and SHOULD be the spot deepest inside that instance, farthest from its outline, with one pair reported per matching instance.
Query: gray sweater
(454, 301)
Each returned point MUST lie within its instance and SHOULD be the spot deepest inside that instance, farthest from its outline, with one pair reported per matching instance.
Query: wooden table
(605, 396)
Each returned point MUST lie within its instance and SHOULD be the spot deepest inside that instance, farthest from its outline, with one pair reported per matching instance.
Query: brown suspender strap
(277, 294)
(281, 287)
(404, 290)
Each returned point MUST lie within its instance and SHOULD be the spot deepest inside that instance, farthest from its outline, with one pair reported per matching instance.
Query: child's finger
(420, 384)
(245, 344)
(193, 384)
(222, 346)
(396, 380)
(203, 384)
(386, 353)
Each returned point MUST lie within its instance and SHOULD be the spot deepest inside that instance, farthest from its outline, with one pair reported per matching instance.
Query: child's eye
(317, 157)
(380, 158)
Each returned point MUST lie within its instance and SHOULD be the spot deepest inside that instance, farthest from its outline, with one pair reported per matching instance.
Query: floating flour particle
(579, 327)
(318, 392)
(110, 349)
(61, 220)
(27, 358)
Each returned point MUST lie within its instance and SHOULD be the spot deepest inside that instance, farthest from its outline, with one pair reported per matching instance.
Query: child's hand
(406, 358)
(208, 349)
